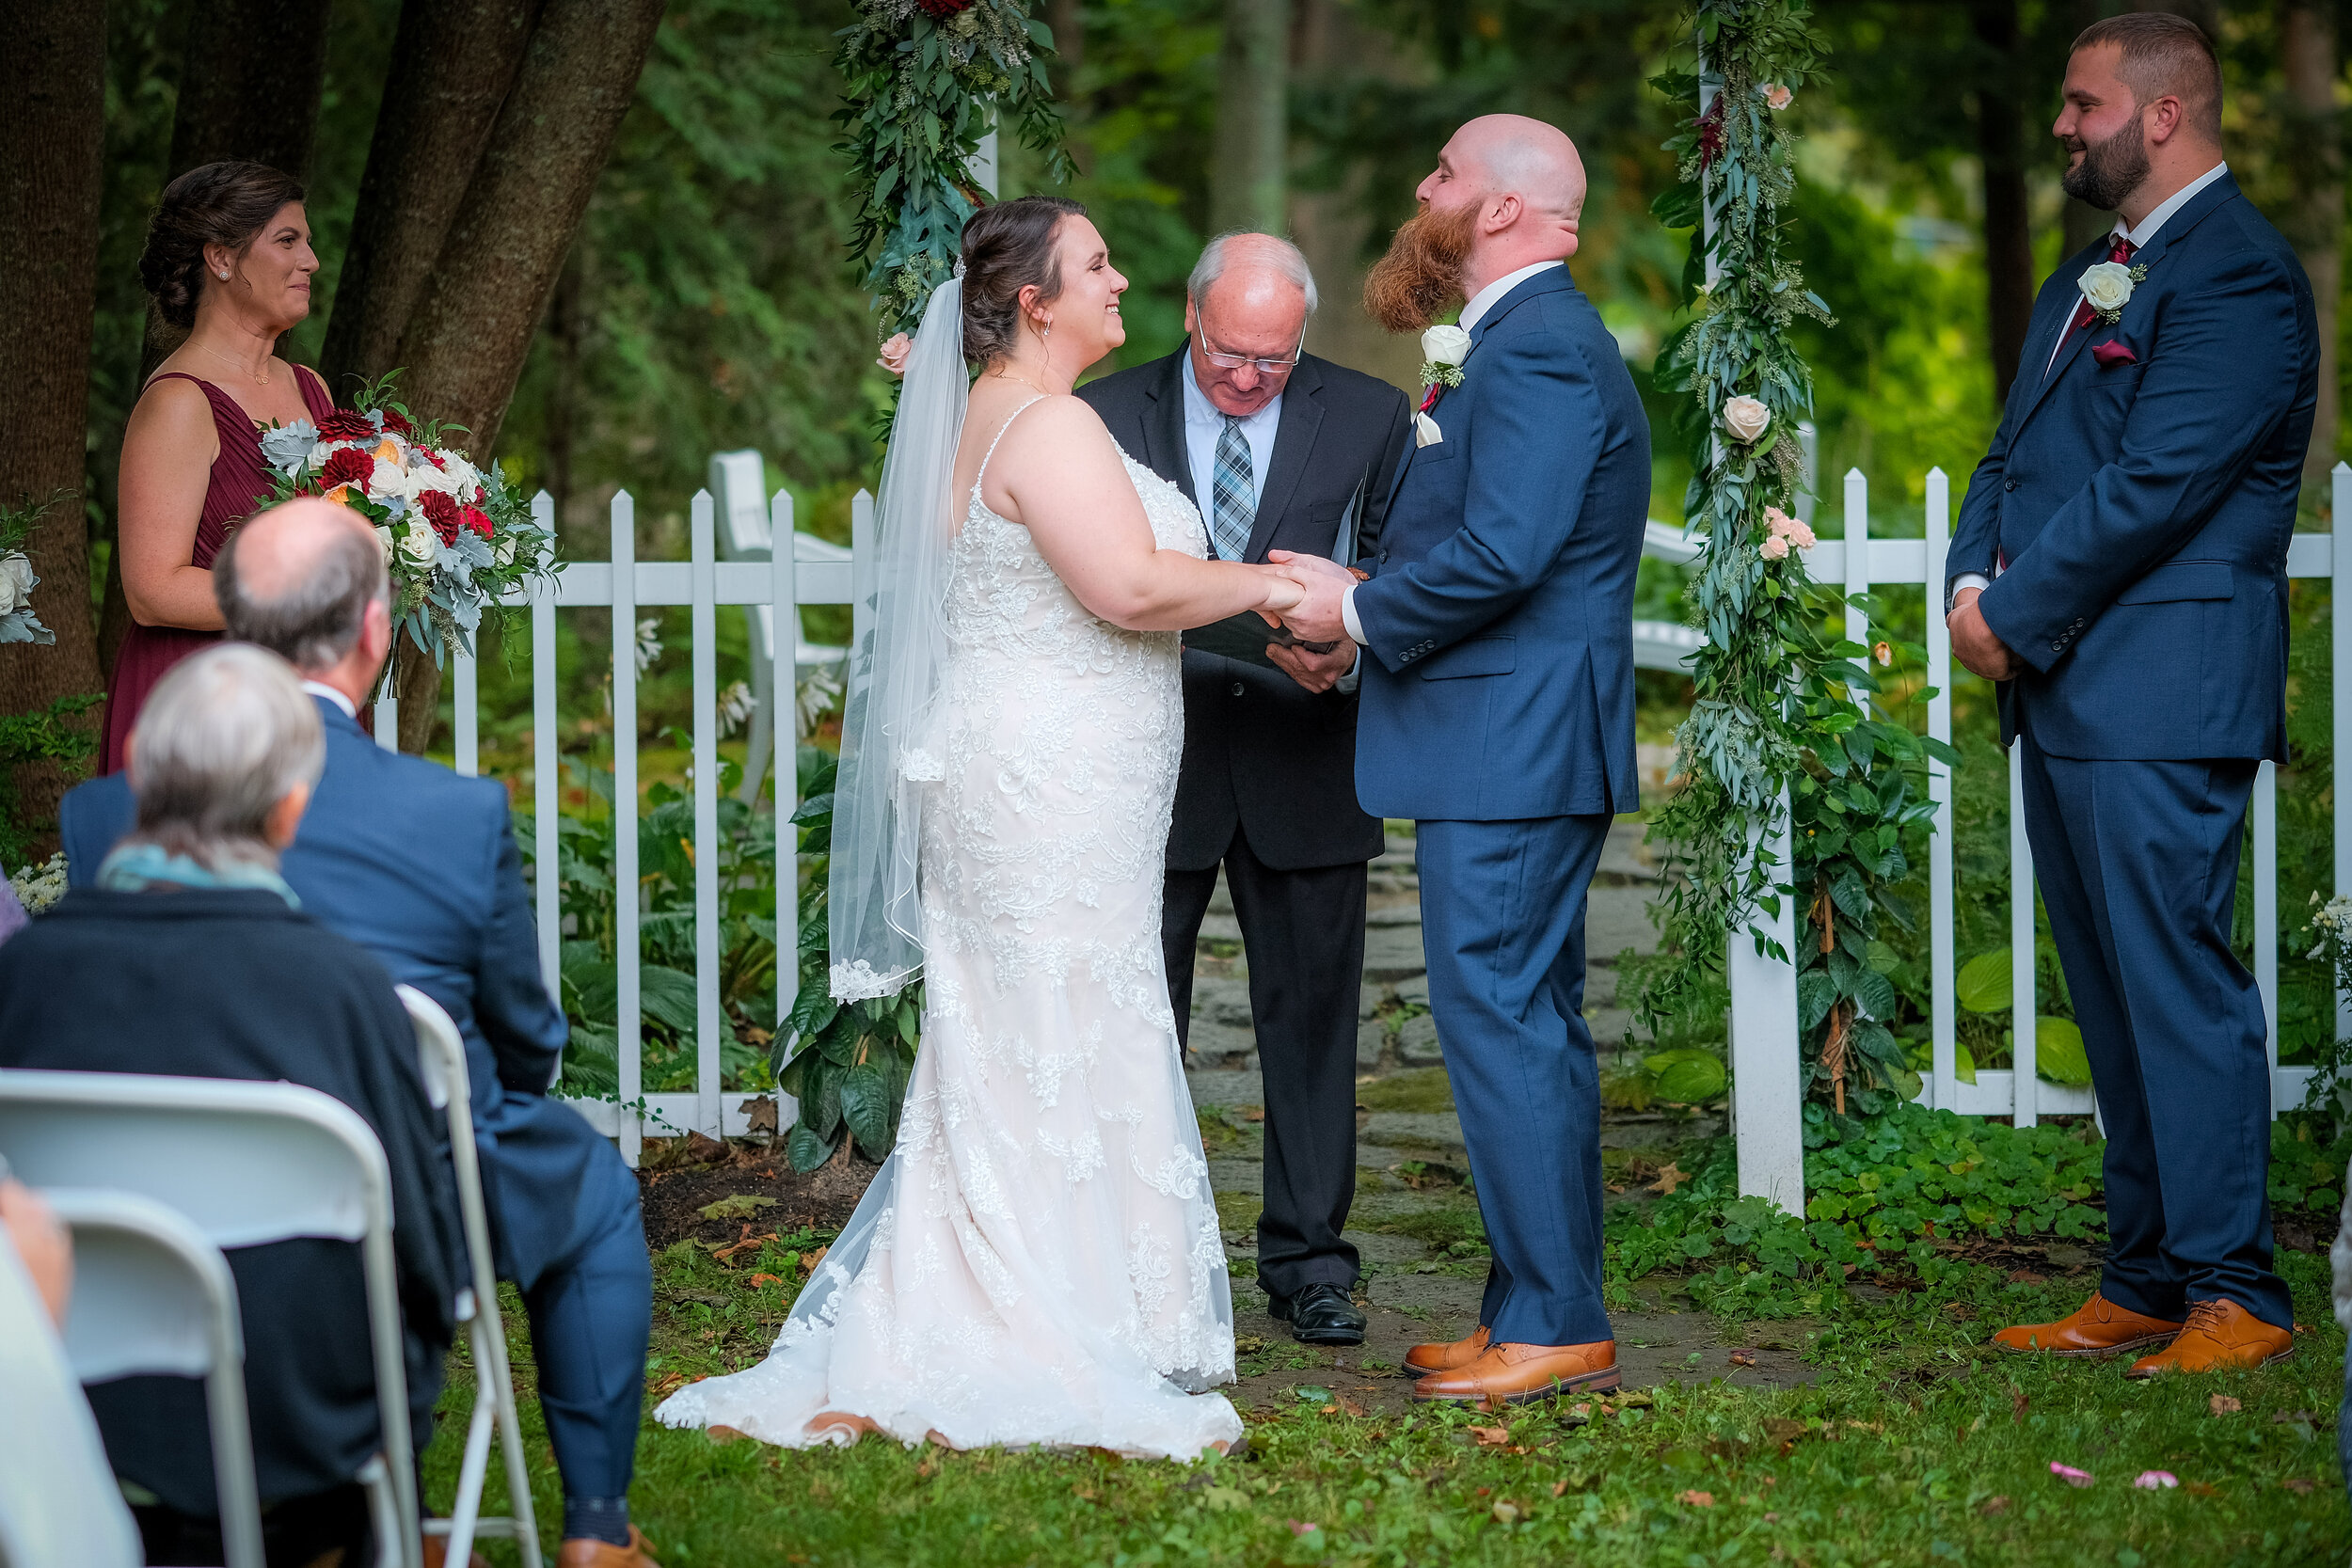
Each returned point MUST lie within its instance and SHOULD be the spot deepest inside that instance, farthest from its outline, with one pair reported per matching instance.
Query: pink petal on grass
(2068, 1474)
(2155, 1480)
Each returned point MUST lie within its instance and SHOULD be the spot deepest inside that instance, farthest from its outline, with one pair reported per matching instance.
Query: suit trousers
(591, 1313)
(2138, 863)
(1503, 918)
(1303, 932)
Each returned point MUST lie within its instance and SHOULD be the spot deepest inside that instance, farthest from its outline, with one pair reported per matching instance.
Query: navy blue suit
(418, 866)
(1496, 710)
(2138, 502)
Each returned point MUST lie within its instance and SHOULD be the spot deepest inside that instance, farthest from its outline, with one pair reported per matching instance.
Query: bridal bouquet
(17, 623)
(455, 537)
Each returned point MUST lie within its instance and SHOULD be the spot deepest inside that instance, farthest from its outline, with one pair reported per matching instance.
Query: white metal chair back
(441, 1052)
(146, 1279)
(248, 1163)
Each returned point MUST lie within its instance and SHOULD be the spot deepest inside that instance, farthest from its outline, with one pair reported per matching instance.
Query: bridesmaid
(229, 263)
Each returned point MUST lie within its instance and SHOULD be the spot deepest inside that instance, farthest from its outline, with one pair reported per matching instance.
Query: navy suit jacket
(418, 866)
(2141, 508)
(1500, 614)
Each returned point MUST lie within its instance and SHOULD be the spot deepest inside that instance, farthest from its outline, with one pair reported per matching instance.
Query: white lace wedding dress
(1039, 1260)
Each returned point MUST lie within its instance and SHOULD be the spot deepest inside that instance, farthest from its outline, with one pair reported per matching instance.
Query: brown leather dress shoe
(1516, 1374)
(1444, 1355)
(2097, 1327)
(436, 1553)
(2219, 1334)
(603, 1553)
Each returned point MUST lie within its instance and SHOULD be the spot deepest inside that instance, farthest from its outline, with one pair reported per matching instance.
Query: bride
(1039, 1260)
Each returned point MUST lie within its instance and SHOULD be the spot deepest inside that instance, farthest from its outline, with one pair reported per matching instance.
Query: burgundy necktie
(2083, 314)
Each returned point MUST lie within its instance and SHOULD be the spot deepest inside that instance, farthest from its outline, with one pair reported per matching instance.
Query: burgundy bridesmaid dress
(240, 483)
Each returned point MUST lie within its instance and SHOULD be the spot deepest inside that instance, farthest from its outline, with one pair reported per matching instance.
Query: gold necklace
(1024, 381)
(261, 375)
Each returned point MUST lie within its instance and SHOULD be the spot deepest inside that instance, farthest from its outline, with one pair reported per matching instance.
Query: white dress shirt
(2140, 237)
(320, 688)
(1204, 422)
(1472, 313)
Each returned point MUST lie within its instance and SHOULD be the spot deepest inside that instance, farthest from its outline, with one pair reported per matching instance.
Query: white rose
(1746, 419)
(503, 551)
(2108, 285)
(388, 479)
(418, 543)
(16, 582)
(383, 539)
(1445, 346)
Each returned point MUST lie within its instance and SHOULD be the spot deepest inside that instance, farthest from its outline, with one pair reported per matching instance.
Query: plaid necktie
(1233, 507)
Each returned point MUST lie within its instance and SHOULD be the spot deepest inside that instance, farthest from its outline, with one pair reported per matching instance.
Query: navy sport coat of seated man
(2120, 568)
(191, 958)
(418, 866)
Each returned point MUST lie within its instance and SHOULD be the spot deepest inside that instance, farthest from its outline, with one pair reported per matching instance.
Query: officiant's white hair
(224, 737)
(1285, 258)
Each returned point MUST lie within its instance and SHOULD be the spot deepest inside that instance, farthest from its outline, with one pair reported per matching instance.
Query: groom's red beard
(1422, 272)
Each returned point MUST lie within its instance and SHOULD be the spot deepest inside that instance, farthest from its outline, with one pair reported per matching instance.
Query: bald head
(1518, 185)
(298, 580)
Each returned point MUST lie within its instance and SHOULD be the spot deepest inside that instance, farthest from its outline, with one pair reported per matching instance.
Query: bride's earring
(1047, 330)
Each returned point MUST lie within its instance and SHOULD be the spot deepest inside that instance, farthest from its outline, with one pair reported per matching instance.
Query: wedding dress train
(1039, 1260)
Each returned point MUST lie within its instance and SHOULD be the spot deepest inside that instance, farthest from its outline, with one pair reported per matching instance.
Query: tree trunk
(1246, 187)
(463, 346)
(453, 65)
(52, 107)
(249, 79)
(2008, 226)
(567, 325)
(2315, 224)
(1066, 20)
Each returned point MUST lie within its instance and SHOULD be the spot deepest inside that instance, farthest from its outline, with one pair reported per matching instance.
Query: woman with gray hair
(192, 958)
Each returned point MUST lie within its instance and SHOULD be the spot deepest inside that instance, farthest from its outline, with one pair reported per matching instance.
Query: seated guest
(188, 954)
(418, 866)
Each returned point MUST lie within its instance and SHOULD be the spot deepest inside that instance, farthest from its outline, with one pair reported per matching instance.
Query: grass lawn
(1914, 1444)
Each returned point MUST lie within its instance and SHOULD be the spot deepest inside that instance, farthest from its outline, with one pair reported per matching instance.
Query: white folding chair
(249, 1164)
(151, 1295)
(442, 1052)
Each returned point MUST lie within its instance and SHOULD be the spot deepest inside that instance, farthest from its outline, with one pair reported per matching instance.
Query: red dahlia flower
(397, 422)
(944, 8)
(349, 466)
(475, 519)
(441, 511)
(347, 424)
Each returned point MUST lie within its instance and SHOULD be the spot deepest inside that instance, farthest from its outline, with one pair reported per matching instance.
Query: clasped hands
(1974, 643)
(1302, 594)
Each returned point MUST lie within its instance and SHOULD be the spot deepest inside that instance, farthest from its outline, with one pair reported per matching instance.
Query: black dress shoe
(1319, 1315)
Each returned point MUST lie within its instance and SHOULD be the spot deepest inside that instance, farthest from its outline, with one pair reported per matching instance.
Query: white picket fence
(740, 524)
(1764, 1036)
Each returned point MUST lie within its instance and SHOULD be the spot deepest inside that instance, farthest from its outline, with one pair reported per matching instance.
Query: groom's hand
(1317, 618)
(1973, 642)
(1313, 670)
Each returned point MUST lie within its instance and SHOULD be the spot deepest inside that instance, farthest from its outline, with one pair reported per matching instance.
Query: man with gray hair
(192, 957)
(420, 867)
(1285, 451)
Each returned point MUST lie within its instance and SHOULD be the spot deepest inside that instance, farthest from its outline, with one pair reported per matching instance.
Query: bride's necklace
(261, 375)
(1024, 381)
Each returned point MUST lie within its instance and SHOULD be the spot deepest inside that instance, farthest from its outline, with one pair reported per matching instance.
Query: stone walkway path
(1414, 1221)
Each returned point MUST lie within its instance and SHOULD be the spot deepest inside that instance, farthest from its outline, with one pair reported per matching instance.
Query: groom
(1497, 712)
(2121, 569)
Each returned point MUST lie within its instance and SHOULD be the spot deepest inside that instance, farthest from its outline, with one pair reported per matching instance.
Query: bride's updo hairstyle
(225, 204)
(1008, 247)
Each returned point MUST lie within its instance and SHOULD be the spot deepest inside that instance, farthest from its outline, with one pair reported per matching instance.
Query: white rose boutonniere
(1442, 350)
(2108, 285)
(1746, 417)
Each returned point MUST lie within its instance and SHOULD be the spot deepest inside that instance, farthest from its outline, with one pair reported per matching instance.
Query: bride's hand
(1283, 591)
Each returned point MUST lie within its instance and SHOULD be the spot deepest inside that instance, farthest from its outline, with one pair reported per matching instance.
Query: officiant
(1280, 450)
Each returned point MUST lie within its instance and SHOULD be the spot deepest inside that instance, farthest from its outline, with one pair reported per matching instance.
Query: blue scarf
(137, 867)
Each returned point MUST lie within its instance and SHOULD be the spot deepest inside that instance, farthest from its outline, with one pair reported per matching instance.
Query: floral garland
(1783, 708)
(921, 75)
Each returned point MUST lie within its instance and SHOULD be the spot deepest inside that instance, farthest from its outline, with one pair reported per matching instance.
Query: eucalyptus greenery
(924, 78)
(1785, 717)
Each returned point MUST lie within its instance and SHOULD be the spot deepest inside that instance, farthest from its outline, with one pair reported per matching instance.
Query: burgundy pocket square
(2113, 353)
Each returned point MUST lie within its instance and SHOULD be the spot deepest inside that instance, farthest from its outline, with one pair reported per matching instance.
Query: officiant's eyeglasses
(1225, 361)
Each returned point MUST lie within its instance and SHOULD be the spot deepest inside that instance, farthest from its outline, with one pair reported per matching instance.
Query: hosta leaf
(2058, 1052)
(1986, 982)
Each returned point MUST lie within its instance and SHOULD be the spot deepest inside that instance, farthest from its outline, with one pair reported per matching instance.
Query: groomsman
(2121, 569)
(1280, 450)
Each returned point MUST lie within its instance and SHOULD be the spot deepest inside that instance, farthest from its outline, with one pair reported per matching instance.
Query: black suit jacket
(1260, 750)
